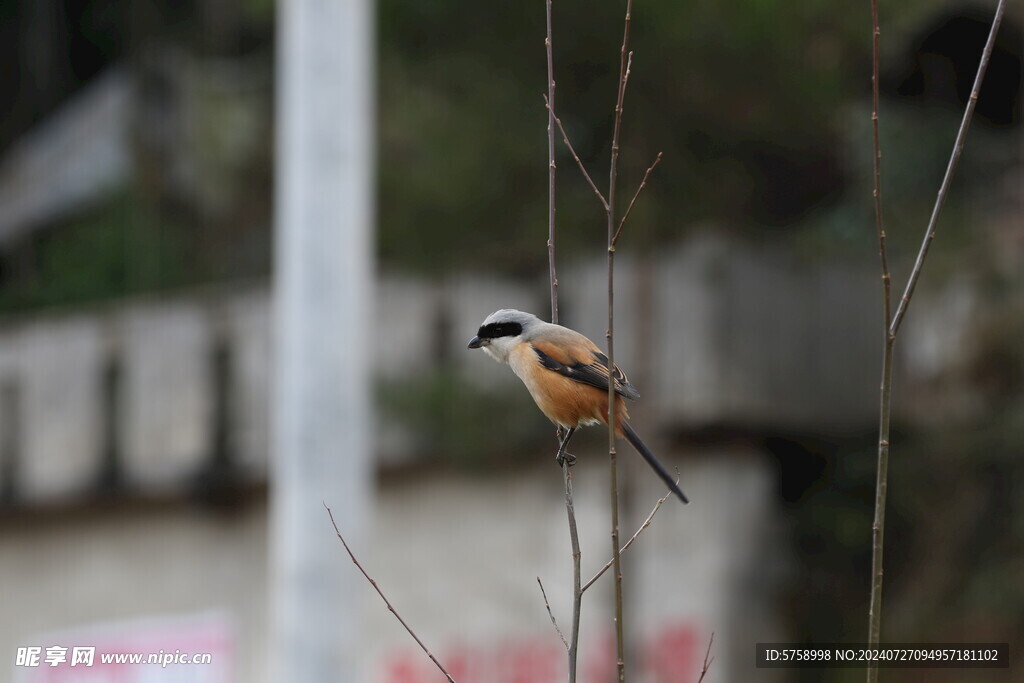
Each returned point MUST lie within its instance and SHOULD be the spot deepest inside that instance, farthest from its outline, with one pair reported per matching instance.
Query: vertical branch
(892, 325)
(553, 275)
(613, 231)
(877, 163)
(572, 645)
(577, 592)
(882, 478)
(625, 60)
(881, 490)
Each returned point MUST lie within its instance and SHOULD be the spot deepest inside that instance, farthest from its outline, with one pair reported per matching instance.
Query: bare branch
(888, 347)
(629, 208)
(877, 165)
(708, 659)
(625, 81)
(579, 162)
(625, 60)
(384, 598)
(954, 159)
(893, 326)
(572, 645)
(554, 623)
(550, 100)
(647, 523)
(577, 592)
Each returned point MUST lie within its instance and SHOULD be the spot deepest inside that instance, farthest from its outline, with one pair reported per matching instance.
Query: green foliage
(747, 100)
(121, 246)
(757, 106)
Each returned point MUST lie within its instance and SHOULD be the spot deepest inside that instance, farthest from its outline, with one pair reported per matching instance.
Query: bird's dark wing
(586, 366)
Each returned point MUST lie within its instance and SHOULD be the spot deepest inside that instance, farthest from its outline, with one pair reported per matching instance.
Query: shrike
(567, 376)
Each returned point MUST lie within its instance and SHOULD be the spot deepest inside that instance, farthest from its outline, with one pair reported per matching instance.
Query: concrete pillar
(322, 297)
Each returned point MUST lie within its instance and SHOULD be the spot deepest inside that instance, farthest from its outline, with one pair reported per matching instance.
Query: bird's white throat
(500, 347)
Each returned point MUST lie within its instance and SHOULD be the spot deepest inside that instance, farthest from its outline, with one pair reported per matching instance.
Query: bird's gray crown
(507, 322)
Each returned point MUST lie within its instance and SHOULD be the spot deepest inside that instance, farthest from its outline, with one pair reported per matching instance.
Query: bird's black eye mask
(495, 330)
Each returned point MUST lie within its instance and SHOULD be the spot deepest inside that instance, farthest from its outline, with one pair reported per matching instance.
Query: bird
(567, 375)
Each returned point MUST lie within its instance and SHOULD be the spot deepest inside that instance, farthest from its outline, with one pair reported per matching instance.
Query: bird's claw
(565, 459)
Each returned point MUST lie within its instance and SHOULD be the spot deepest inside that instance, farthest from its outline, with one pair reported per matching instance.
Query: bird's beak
(475, 343)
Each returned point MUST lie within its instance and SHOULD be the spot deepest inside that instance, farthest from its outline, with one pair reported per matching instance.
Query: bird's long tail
(655, 464)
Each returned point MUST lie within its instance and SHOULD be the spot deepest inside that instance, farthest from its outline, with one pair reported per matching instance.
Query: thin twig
(893, 325)
(625, 63)
(550, 100)
(877, 164)
(625, 76)
(647, 523)
(888, 347)
(572, 645)
(881, 490)
(954, 159)
(708, 659)
(547, 605)
(384, 598)
(625, 60)
(572, 150)
(577, 592)
(643, 183)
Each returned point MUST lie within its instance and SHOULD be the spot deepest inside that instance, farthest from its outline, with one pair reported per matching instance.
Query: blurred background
(137, 333)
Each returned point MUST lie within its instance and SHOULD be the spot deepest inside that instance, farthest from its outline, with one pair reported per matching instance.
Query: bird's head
(501, 331)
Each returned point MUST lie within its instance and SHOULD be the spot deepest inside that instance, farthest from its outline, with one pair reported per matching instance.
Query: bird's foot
(565, 459)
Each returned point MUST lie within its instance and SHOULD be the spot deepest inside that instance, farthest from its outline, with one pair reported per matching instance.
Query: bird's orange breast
(564, 401)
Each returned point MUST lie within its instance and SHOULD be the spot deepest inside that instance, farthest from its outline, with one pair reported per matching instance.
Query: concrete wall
(458, 555)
